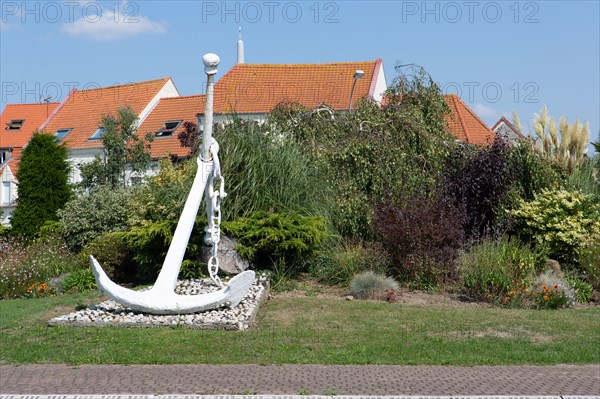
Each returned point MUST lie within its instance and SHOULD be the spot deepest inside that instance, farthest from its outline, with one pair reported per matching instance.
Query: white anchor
(161, 298)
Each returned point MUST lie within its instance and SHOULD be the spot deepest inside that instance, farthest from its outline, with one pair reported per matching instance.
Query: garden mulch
(299, 379)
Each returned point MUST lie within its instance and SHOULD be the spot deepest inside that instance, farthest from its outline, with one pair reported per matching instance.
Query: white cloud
(485, 112)
(111, 24)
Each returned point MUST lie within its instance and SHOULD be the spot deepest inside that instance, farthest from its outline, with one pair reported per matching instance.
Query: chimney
(240, 48)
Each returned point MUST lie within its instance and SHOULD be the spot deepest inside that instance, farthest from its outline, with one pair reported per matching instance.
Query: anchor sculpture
(161, 298)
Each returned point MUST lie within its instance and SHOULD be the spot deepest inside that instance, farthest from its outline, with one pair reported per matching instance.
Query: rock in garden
(230, 262)
(553, 265)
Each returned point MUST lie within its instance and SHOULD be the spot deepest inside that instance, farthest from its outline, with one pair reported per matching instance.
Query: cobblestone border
(282, 397)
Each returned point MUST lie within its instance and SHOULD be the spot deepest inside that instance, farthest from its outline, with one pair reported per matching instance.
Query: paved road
(300, 379)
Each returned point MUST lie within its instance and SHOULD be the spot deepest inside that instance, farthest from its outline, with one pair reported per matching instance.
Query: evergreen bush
(44, 188)
(269, 239)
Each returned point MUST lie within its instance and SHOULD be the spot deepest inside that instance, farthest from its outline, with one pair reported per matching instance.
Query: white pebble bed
(110, 313)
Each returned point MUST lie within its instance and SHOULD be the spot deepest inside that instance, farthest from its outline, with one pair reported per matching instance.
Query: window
(168, 128)
(61, 133)
(15, 124)
(6, 193)
(98, 134)
(4, 156)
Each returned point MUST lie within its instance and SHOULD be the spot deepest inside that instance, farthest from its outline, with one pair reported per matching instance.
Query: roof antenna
(47, 101)
(240, 48)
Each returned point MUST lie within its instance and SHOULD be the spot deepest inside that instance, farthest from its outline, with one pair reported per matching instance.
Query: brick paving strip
(372, 380)
(278, 397)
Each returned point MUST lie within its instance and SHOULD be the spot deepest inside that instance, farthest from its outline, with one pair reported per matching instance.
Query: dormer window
(15, 124)
(168, 129)
(61, 133)
(98, 134)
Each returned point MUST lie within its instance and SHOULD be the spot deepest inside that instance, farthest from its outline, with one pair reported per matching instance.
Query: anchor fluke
(159, 300)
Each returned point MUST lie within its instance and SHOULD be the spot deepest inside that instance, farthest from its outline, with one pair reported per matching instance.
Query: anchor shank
(167, 278)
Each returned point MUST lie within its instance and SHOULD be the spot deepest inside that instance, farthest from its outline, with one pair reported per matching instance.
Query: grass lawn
(312, 330)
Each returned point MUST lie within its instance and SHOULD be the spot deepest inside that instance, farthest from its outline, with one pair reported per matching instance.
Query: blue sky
(498, 56)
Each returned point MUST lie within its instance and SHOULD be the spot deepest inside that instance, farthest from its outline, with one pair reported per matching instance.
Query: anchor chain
(214, 225)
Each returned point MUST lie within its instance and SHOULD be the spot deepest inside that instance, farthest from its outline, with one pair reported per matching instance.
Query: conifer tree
(44, 188)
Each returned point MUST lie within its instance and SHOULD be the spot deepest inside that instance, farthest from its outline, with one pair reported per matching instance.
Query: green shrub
(369, 285)
(565, 222)
(373, 152)
(532, 172)
(589, 264)
(268, 238)
(343, 259)
(80, 281)
(163, 195)
(150, 242)
(51, 228)
(582, 289)
(25, 263)
(88, 216)
(492, 268)
(113, 253)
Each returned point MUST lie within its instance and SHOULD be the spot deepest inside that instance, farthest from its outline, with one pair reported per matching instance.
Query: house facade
(77, 121)
(507, 130)
(249, 91)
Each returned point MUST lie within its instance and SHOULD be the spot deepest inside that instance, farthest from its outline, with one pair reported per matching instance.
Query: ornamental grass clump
(370, 285)
(343, 259)
(492, 268)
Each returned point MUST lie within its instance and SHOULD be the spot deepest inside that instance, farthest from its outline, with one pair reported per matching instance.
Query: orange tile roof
(171, 109)
(258, 88)
(465, 125)
(82, 112)
(34, 116)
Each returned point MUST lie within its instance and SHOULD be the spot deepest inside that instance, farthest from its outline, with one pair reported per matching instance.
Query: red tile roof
(465, 125)
(82, 112)
(171, 109)
(34, 116)
(258, 88)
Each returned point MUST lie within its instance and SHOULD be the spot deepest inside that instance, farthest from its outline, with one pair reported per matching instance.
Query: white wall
(168, 90)
(7, 205)
(81, 156)
(380, 84)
